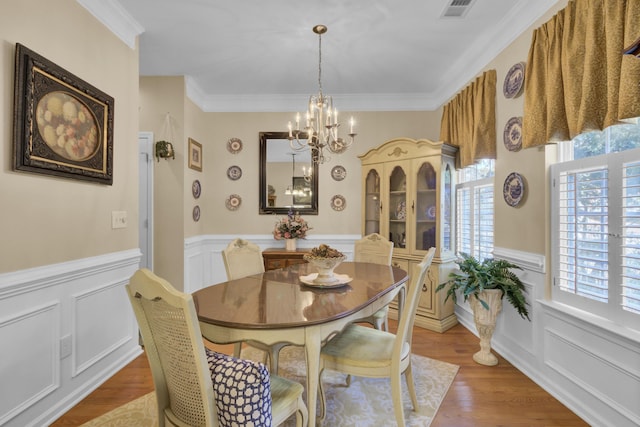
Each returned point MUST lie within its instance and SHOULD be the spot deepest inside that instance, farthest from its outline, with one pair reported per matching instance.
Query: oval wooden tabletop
(278, 299)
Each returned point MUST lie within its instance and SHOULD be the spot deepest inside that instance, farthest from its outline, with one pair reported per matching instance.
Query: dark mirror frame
(264, 207)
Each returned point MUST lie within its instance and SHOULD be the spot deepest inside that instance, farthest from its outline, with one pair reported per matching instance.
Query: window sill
(573, 314)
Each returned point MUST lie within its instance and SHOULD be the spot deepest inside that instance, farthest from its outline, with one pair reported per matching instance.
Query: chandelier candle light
(321, 128)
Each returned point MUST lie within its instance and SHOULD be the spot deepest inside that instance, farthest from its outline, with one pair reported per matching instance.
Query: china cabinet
(408, 196)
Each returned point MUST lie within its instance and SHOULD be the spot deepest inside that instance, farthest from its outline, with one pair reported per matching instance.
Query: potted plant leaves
(485, 283)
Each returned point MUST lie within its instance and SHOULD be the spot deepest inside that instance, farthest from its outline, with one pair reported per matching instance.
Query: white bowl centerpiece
(325, 259)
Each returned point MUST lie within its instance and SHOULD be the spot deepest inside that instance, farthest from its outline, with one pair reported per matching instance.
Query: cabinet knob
(424, 287)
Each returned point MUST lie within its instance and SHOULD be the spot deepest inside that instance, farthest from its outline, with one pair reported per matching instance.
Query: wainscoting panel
(96, 338)
(602, 366)
(593, 370)
(64, 329)
(203, 254)
(30, 361)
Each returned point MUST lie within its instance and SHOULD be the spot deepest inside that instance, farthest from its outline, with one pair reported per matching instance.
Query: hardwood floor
(479, 396)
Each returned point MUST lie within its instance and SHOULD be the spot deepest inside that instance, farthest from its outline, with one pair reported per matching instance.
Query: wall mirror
(288, 180)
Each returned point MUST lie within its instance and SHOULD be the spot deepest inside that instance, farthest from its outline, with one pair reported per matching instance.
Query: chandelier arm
(296, 144)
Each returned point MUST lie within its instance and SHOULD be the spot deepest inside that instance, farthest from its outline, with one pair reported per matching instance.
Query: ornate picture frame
(62, 125)
(195, 155)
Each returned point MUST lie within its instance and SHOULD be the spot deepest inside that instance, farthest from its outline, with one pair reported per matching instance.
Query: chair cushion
(361, 346)
(242, 390)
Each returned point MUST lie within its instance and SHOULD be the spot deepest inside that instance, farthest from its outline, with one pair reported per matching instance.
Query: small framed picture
(195, 155)
(62, 126)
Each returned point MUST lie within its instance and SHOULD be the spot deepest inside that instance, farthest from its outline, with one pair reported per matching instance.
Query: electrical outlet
(119, 219)
(65, 346)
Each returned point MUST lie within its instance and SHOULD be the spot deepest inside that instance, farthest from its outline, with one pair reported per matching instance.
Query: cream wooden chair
(183, 369)
(243, 258)
(375, 249)
(367, 352)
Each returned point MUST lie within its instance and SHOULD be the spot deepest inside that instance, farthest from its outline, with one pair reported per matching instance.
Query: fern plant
(475, 276)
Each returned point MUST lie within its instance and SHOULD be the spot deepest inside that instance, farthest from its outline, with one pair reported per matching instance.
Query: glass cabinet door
(426, 207)
(398, 207)
(372, 203)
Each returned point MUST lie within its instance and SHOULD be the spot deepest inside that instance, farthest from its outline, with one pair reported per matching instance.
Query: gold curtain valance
(577, 79)
(469, 120)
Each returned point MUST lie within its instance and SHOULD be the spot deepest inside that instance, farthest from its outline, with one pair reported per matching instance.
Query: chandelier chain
(320, 62)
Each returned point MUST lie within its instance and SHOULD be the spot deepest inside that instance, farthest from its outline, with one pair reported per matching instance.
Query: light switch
(119, 219)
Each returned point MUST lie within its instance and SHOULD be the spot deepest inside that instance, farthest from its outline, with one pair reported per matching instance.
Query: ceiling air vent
(457, 8)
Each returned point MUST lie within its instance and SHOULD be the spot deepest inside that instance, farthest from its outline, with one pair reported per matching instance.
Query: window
(596, 224)
(474, 209)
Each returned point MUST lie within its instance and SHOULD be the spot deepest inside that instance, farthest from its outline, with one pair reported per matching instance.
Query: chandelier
(296, 190)
(321, 121)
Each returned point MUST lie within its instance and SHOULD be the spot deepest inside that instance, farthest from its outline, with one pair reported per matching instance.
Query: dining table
(277, 307)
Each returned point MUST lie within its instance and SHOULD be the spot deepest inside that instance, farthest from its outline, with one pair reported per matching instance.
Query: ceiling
(377, 55)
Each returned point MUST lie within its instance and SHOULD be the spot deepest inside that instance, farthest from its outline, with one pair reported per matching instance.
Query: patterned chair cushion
(242, 390)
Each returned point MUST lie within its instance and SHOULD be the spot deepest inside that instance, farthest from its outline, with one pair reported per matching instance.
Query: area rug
(367, 402)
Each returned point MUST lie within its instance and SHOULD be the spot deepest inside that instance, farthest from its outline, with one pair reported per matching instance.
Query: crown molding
(115, 18)
(277, 103)
(464, 70)
(486, 49)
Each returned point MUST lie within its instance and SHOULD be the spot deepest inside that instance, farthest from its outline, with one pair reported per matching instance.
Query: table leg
(312, 350)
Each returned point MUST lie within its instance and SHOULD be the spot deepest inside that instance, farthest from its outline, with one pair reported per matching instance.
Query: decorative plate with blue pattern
(513, 189)
(514, 81)
(512, 136)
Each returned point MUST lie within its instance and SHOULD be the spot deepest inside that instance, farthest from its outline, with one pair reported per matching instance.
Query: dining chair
(375, 249)
(243, 258)
(367, 352)
(195, 385)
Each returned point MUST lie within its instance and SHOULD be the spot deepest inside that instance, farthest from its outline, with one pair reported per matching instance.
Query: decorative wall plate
(514, 81)
(401, 210)
(196, 189)
(513, 134)
(338, 173)
(431, 212)
(234, 173)
(338, 203)
(513, 189)
(234, 145)
(196, 213)
(233, 202)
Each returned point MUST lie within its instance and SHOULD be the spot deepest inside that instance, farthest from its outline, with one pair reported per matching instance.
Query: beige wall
(47, 219)
(516, 228)
(159, 96)
(521, 228)
(373, 129)
(196, 127)
(173, 178)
